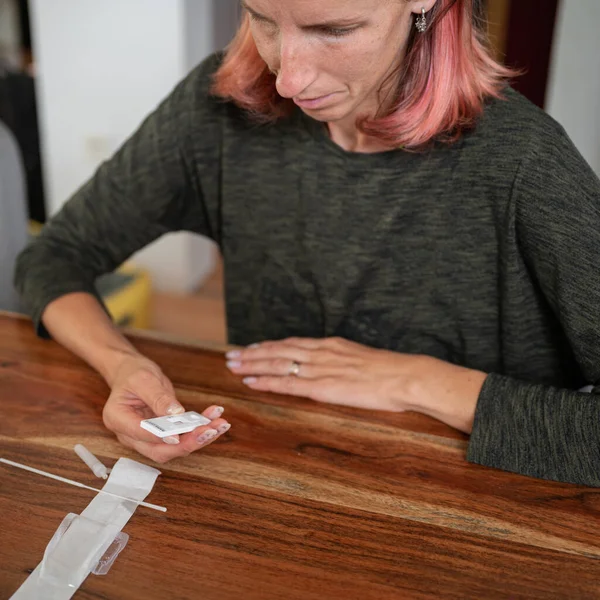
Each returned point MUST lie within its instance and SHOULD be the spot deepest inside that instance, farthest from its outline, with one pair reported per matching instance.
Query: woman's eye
(259, 19)
(334, 32)
(266, 27)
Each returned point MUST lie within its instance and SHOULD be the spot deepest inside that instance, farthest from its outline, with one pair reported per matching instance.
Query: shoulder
(513, 125)
(197, 115)
(200, 78)
(193, 92)
(523, 140)
(553, 187)
(549, 156)
(195, 99)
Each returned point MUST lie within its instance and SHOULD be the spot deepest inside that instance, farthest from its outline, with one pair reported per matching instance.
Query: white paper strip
(103, 518)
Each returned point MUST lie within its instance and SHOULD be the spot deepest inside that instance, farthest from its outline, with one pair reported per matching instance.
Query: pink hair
(443, 81)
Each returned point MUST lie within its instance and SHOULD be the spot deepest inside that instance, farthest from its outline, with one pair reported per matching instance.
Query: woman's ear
(417, 6)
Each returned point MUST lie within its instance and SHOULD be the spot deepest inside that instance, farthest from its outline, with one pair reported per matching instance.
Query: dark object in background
(13, 220)
(18, 110)
(529, 43)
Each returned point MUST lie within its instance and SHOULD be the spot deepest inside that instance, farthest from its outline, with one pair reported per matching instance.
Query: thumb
(160, 397)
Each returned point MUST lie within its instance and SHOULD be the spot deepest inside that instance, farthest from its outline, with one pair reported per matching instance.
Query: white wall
(103, 66)
(199, 34)
(226, 18)
(574, 86)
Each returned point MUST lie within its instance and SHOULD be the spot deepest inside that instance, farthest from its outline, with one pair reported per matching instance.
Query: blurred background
(78, 76)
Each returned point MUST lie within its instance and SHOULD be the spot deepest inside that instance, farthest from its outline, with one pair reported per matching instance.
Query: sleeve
(539, 430)
(150, 187)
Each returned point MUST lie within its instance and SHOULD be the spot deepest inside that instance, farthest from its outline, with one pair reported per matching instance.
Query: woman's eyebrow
(323, 25)
(254, 12)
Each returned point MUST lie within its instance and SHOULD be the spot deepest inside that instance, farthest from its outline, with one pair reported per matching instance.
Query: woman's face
(331, 57)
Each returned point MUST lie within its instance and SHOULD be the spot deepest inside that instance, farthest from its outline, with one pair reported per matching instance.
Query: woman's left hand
(338, 371)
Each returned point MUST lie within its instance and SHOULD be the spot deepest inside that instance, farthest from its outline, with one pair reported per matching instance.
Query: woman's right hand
(140, 390)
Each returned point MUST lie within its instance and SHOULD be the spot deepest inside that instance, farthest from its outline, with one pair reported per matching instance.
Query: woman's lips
(314, 102)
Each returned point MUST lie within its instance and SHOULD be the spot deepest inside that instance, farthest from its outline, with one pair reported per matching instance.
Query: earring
(421, 22)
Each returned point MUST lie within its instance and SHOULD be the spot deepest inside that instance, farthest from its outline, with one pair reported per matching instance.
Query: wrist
(446, 392)
(112, 359)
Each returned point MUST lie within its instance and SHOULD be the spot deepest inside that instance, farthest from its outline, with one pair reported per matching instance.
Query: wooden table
(298, 501)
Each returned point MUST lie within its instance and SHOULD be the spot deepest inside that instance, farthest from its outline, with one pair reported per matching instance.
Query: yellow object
(127, 295)
(34, 227)
(130, 305)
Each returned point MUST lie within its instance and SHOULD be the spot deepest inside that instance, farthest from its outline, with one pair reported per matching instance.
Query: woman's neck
(347, 136)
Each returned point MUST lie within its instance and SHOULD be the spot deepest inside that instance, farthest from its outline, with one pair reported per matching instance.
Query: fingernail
(234, 364)
(209, 434)
(171, 440)
(254, 346)
(216, 413)
(175, 409)
(233, 354)
(223, 428)
(249, 380)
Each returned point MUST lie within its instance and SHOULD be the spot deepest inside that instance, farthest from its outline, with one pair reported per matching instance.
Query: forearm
(537, 430)
(79, 323)
(446, 392)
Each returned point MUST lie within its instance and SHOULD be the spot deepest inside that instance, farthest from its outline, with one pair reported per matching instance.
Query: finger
(336, 343)
(170, 439)
(213, 412)
(291, 386)
(127, 422)
(162, 453)
(220, 425)
(203, 435)
(159, 453)
(272, 366)
(304, 350)
(269, 350)
(278, 360)
(306, 343)
(282, 367)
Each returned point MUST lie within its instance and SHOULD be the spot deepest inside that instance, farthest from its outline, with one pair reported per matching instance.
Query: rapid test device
(174, 425)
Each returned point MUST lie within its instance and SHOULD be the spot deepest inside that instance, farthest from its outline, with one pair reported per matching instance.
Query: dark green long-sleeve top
(483, 254)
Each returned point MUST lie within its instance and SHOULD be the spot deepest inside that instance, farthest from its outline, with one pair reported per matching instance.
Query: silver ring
(295, 369)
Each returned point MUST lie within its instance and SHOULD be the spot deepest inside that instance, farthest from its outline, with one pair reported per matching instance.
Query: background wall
(574, 86)
(102, 67)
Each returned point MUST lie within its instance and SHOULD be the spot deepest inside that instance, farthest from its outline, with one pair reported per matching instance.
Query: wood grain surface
(299, 500)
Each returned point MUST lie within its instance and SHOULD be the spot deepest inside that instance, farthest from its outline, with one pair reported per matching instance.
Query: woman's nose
(294, 70)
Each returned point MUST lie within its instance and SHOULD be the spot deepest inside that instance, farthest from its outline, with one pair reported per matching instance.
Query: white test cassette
(174, 425)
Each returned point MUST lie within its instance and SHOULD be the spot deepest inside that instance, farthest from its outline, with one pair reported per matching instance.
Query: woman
(400, 231)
